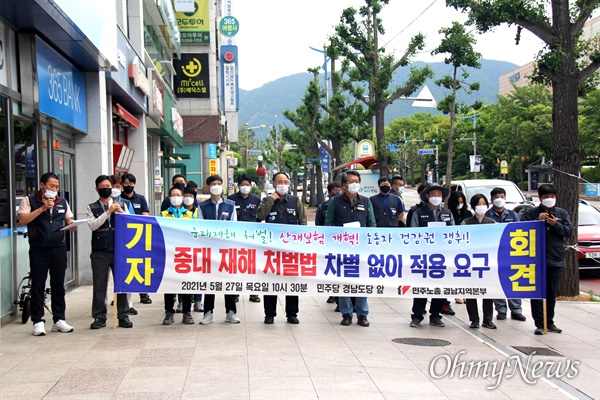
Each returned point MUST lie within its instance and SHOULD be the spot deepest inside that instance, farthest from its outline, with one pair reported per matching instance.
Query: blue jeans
(346, 307)
(513, 304)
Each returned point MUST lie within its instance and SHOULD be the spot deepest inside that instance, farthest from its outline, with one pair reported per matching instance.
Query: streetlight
(248, 129)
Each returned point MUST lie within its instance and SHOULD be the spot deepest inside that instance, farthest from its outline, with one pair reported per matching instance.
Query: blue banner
(166, 255)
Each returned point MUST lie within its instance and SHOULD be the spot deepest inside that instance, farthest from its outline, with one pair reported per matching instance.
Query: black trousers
(291, 306)
(488, 310)
(537, 305)
(209, 303)
(419, 305)
(102, 261)
(186, 302)
(41, 261)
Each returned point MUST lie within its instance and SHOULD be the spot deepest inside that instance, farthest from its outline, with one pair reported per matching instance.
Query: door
(63, 167)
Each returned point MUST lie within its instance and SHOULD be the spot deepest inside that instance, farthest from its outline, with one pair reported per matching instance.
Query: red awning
(127, 116)
(366, 162)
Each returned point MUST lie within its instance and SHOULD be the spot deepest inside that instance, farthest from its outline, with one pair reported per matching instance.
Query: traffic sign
(254, 152)
(426, 151)
(392, 147)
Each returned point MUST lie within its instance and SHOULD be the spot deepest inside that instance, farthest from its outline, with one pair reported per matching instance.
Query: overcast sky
(275, 35)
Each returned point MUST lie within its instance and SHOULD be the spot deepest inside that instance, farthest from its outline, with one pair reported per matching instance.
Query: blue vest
(286, 215)
(41, 231)
(226, 210)
(345, 212)
(388, 216)
(245, 207)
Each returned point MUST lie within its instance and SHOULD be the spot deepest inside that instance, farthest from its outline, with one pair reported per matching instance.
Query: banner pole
(115, 311)
(545, 318)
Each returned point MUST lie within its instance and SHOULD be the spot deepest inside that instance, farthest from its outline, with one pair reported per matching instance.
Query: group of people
(45, 213)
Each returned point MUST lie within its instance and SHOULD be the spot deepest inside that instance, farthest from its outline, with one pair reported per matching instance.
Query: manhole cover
(413, 341)
(539, 351)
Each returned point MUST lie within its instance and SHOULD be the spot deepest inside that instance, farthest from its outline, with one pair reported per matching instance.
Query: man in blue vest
(345, 209)
(388, 208)
(44, 213)
(281, 208)
(101, 220)
(219, 209)
(502, 215)
(432, 212)
(246, 204)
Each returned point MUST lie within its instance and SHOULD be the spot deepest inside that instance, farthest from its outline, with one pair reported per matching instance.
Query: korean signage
(166, 255)
(365, 148)
(229, 79)
(192, 79)
(194, 26)
(213, 167)
(229, 26)
(324, 159)
(61, 88)
(212, 150)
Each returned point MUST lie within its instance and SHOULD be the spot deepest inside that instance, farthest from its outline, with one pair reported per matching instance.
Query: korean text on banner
(165, 255)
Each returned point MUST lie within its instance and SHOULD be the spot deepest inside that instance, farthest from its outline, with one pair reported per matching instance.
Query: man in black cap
(433, 211)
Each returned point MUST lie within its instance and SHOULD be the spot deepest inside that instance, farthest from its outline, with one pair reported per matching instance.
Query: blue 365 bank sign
(61, 88)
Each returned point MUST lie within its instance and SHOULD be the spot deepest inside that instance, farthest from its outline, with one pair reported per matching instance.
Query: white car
(470, 187)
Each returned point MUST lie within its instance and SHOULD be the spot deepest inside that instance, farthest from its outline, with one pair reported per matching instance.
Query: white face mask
(499, 202)
(459, 206)
(480, 210)
(245, 190)
(401, 190)
(282, 189)
(353, 188)
(50, 194)
(549, 202)
(216, 190)
(115, 192)
(435, 201)
(188, 201)
(176, 200)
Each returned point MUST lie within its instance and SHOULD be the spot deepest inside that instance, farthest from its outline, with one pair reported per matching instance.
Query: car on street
(470, 187)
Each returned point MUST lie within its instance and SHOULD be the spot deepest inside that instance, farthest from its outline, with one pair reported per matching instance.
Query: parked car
(514, 196)
(588, 234)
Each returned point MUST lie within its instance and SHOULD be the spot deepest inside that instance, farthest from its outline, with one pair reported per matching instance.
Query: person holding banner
(480, 204)
(558, 228)
(101, 220)
(219, 209)
(502, 215)
(281, 208)
(351, 209)
(176, 210)
(430, 214)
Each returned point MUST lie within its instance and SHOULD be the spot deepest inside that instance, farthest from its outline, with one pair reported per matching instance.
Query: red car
(588, 239)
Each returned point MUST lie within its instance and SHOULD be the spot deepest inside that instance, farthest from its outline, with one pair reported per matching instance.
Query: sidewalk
(318, 359)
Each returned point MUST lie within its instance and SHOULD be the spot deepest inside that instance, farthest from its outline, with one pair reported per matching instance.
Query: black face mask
(385, 189)
(128, 189)
(104, 192)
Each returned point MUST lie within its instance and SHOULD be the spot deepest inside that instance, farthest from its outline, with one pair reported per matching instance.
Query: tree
(559, 25)
(357, 39)
(589, 131)
(458, 45)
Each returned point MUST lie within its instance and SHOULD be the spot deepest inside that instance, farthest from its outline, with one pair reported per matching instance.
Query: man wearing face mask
(220, 209)
(281, 208)
(433, 211)
(44, 213)
(350, 208)
(246, 204)
(333, 189)
(388, 209)
(177, 180)
(101, 220)
(558, 228)
(397, 186)
(502, 215)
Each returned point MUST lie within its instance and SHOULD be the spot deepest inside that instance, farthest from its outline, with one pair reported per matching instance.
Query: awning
(366, 162)
(127, 116)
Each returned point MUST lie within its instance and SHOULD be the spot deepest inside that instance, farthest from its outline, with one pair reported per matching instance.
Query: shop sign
(212, 166)
(229, 78)
(177, 121)
(137, 73)
(194, 26)
(192, 79)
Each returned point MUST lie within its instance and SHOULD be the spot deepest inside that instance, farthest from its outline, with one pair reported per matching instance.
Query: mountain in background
(260, 105)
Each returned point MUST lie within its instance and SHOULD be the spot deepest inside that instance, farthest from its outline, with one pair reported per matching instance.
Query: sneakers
(60, 326)
(232, 318)
(125, 323)
(132, 311)
(187, 318)
(489, 325)
(145, 298)
(198, 307)
(98, 323)
(363, 321)
(39, 329)
(269, 319)
(179, 308)
(501, 316)
(346, 320)
(415, 322)
(554, 329)
(254, 298)
(518, 317)
(474, 325)
(330, 300)
(436, 321)
(209, 318)
(293, 320)
(539, 331)
(447, 309)
(168, 320)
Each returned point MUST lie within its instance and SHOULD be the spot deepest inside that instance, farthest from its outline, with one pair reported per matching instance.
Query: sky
(275, 35)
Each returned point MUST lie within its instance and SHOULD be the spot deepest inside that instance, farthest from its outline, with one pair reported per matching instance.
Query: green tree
(457, 44)
(589, 128)
(559, 25)
(357, 39)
